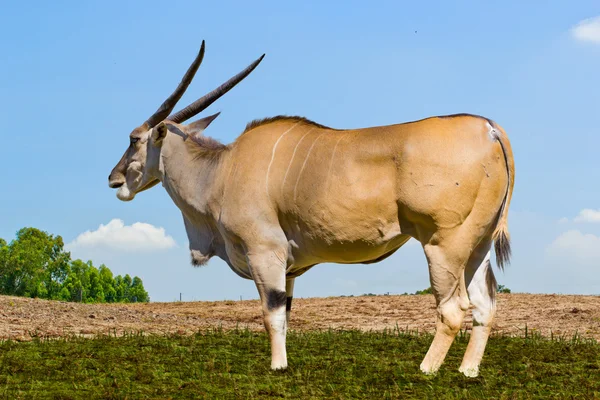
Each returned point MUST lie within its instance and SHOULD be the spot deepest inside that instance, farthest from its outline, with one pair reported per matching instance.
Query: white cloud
(588, 215)
(587, 30)
(117, 236)
(573, 243)
(563, 220)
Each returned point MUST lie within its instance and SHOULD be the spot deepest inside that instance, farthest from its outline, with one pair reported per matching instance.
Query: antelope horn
(211, 97)
(167, 106)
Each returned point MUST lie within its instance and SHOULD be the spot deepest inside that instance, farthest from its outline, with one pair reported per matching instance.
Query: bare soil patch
(24, 318)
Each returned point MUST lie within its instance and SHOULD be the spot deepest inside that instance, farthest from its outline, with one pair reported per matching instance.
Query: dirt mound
(23, 318)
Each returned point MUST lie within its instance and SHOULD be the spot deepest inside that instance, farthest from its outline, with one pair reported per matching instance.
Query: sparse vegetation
(329, 364)
(501, 289)
(425, 291)
(35, 264)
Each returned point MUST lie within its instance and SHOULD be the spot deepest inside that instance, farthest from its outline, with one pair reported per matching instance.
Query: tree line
(35, 264)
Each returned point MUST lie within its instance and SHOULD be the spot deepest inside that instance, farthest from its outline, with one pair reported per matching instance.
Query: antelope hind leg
(481, 286)
(447, 282)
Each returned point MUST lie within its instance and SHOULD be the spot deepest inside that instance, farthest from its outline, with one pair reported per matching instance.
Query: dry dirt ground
(23, 318)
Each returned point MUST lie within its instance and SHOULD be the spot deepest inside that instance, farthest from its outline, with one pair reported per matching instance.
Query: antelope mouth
(126, 194)
(115, 184)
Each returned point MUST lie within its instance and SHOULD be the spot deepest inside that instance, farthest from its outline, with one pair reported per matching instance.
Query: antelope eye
(134, 140)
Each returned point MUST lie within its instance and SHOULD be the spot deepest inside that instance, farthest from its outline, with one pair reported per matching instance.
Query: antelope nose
(114, 184)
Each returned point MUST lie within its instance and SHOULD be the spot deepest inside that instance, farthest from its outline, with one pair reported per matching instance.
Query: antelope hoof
(278, 366)
(469, 372)
(428, 370)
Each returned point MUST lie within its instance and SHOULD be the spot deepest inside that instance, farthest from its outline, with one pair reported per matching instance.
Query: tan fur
(264, 121)
(204, 147)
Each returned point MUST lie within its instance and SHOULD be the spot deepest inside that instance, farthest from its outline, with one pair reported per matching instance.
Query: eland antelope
(289, 194)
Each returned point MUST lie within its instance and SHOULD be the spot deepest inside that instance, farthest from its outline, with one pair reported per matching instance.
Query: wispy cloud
(117, 236)
(588, 215)
(577, 245)
(587, 30)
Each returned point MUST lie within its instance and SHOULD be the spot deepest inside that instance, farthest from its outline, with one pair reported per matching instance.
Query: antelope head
(138, 168)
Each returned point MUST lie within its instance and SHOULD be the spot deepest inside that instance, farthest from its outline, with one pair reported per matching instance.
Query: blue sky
(76, 77)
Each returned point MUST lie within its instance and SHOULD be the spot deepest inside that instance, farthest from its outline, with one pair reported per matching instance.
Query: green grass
(323, 365)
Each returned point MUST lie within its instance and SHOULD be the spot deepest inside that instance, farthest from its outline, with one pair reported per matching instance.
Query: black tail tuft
(503, 251)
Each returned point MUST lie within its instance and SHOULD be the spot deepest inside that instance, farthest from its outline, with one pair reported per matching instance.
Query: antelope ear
(159, 132)
(197, 127)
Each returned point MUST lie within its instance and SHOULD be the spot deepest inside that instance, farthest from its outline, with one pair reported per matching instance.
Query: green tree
(35, 264)
(503, 289)
(425, 291)
(122, 286)
(137, 291)
(71, 289)
(95, 291)
(108, 284)
(3, 257)
(31, 262)
(80, 280)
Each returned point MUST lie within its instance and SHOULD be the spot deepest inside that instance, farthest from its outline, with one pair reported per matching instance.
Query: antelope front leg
(268, 271)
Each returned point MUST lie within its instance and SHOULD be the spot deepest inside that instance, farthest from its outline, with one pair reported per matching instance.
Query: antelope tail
(501, 236)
